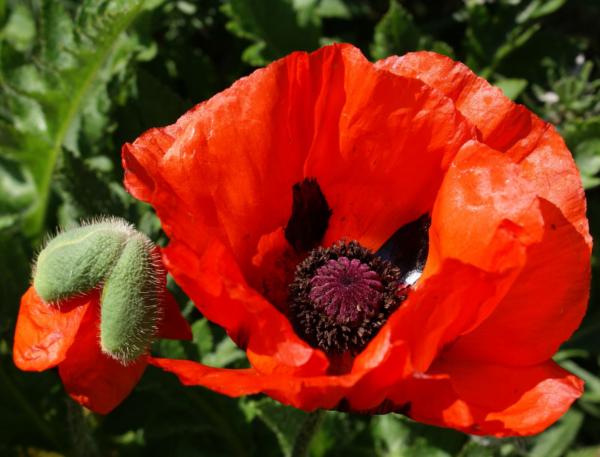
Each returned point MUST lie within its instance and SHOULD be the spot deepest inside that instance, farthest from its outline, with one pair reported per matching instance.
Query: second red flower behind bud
(106, 272)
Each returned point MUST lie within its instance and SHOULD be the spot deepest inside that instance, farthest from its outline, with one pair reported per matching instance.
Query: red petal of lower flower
(92, 378)
(491, 399)
(172, 324)
(44, 333)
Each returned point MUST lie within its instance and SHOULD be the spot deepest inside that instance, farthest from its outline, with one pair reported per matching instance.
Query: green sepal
(77, 260)
(130, 303)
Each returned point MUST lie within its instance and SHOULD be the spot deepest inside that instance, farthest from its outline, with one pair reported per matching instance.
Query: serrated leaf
(60, 100)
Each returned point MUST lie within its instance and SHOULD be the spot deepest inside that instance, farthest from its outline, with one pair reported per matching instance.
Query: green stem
(81, 435)
(307, 432)
(29, 410)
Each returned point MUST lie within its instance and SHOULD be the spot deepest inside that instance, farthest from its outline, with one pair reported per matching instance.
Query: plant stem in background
(307, 432)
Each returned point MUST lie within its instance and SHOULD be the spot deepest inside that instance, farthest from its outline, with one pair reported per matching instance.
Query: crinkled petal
(486, 399)
(545, 304)
(504, 126)
(488, 214)
(44, 333)
(92, 378)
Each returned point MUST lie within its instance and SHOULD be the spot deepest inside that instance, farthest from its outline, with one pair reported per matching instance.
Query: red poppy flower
(396, 236)
(67, 336)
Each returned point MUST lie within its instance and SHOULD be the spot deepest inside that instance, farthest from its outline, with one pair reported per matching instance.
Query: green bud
(77, 260)
(130, 301)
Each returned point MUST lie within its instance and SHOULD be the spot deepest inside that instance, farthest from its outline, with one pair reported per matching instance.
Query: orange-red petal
(92, 378)
(488, 214)
(487, 399)
(44, 333)
(505, 126)
(544, 305)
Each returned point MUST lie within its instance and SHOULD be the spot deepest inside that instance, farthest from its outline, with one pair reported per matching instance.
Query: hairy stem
(307, 432)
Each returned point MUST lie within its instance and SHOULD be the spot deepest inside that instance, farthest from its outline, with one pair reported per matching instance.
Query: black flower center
(341, 296)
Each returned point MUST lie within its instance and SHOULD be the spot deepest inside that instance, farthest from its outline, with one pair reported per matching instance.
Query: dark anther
(310, 216)
(407, 248)
(341, 296)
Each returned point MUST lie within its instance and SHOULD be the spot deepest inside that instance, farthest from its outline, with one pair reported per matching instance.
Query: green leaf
(277, 27)
(58, 97)
(587, 156)
(397, 436)
(592, 382)
(539, 8)
(225, 353)
(284, 421)
(202, 336)
(512, 87)
(593, 451)
(334, 9)
(88, 187)
(556, 441)
(475, 449)
(19, 31)
(395, 34)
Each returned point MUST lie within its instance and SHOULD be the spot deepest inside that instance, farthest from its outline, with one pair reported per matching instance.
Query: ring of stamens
(341, 296)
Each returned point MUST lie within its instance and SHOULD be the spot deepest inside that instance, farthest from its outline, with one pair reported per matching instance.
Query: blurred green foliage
(80, 78)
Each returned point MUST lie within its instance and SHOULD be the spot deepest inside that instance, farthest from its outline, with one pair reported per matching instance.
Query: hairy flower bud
(130, 301)
(77, 260)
